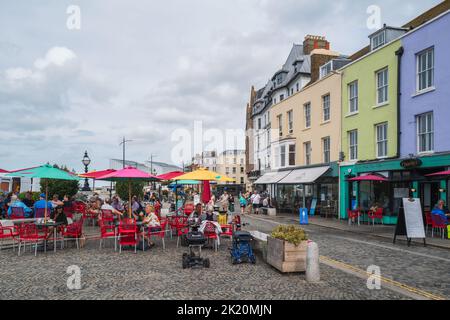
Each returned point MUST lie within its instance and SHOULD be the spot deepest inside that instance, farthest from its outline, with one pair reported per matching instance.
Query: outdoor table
(22, 220)
(140, 225)
(47, 224)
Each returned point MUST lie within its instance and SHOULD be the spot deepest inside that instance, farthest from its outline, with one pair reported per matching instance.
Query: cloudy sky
(147, 69)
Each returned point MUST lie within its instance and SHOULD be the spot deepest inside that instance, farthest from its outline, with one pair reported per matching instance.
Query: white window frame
(280, 125)
(307, 152)
(353, 147)
(290, 116)
(326, 152)
(381, 141)
(428, 70)
(289, 154)
(307, 114)
(429, 130)
(326, 69)
(383, 88)
(282, 155)
(326, 108)
(377, 38)
(353, 98)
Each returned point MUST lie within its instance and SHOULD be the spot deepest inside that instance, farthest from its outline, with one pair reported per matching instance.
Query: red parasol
(440, 173)
(369, 177)
(170, 175)
(206, 194)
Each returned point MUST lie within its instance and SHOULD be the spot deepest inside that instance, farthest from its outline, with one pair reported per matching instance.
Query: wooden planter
(285, 256)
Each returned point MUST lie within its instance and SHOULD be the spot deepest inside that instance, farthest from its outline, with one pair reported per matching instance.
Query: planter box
(285, 256)
(260, 243)
(269, 211)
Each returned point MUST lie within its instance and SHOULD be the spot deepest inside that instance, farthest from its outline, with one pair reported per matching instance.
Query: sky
(151, 71)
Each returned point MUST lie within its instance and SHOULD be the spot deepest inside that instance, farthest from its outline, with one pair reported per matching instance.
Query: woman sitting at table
(151, 220)
(441, 210)
(57, 216)
(94, 207)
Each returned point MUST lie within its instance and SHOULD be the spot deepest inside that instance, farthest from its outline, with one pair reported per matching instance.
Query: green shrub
(290, 233)
(137, 189)
(34, 196)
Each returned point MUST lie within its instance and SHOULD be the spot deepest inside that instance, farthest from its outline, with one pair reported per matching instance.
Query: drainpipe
(399, 54)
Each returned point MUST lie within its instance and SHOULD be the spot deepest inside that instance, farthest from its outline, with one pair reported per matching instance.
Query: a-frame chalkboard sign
(410, 221)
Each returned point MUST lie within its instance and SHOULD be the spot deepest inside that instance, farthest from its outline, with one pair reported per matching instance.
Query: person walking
(242, 202)
(256, 200)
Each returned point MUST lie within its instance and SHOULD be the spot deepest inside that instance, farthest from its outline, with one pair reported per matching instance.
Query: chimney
(318, 58)
(314, 42)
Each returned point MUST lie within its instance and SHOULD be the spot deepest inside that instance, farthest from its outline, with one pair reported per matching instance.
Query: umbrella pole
(46, 200)
(129, 198)
(176, 196)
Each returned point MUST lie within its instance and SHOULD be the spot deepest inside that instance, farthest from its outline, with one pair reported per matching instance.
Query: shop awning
(301, 176)
(272, 177)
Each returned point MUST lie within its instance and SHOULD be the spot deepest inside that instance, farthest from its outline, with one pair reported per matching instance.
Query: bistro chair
(8, 231)
(188, 208)
(30, 233)
(438, 223)
(128, 234)
(68, 211)
(227, 230)
(428, 220)
(352, 215)
(72, 231)
(17, 213)
(210, 233)
(160, 234)
(40, 212)
(107, 216)
(107, 231)
(378, 214)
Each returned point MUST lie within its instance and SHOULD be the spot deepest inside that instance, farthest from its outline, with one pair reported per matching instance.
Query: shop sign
(411, 163)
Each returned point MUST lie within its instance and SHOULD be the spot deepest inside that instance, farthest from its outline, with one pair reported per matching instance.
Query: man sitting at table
(107, 206)
(16, 203)
(197, 214)
(40, 204)
(441, 210)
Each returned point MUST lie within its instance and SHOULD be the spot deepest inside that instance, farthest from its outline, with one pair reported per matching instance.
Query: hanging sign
(411, 163)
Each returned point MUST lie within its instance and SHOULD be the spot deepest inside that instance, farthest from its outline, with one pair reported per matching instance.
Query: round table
(49, 224)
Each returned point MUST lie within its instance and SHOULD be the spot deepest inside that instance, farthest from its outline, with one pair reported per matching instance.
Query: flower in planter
(290, 233)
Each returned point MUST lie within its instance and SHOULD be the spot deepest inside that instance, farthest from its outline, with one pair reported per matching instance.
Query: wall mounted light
(441, 190)
(413, 190)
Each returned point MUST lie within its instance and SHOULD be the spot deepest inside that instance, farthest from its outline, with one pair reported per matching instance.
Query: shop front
(405, 178)
(313, 188)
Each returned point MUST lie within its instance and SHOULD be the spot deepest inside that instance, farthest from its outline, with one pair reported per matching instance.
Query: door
(429, 194)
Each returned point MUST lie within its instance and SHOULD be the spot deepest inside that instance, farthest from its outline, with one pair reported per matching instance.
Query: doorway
(429, 194)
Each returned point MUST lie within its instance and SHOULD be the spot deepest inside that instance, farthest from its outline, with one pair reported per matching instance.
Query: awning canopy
(272, 177)
(301, 176)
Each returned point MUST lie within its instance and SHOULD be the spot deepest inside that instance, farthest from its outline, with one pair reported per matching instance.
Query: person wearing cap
(16, 203)
(40, 204)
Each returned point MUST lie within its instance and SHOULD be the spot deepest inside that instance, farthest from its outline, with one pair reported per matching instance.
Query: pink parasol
(170, 175)
(96, 174)
(440, 173)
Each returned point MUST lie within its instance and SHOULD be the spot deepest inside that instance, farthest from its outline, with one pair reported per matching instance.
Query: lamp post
(86, 161)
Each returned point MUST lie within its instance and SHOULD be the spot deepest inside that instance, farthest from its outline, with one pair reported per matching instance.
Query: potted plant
(286, 248)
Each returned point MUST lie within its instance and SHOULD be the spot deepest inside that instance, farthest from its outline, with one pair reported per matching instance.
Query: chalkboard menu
(410, 220)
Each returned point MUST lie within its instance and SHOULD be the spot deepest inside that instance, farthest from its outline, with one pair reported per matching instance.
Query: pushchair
(195, 240)
(242, 250)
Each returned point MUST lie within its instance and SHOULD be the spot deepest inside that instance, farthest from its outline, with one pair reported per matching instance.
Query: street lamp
(86, 161)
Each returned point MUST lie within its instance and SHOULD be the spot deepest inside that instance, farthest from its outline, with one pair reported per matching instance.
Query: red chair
(107, 231)
(72, 231)
(107, 216)
(68, 211)
(8, 231)
(17, 213)
(157, 207)
(30, 233)
(40, 212)
(181, 227)
(161, 234)
(428, 220)
(128, 234)
(210, 233)
(439, 223)
(188, 208)
(378, 214)
(227, 231)
(352, 215)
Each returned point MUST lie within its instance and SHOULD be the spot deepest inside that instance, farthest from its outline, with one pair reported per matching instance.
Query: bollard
(312, 262)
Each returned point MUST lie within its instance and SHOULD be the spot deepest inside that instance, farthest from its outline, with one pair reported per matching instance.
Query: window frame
(353, 98)
(307, 152)
(419, 72)
(329, 107)
(384, 142)
(326, 152)
(384, 86)
(290, 118)
(350, 145)
(307, 115)
(428, 132)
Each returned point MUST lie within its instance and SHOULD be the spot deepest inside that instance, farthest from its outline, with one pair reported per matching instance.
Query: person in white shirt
(256, 200)
(107, 206)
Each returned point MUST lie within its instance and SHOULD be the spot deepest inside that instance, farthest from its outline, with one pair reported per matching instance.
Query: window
(326, 69)
(283, 156)
(242, 169)
(292, 91)
(307, 148)
(234, 170)
(326, 149)
(326, 107)
(227, 170)
(425, 69)
(274, 100)
(242, 180)
(307, 111)
(378, 40)
(382, 142)
(382, 86)
(280, 124)
(290, 121)
(425, 132)
(277, 157)
(241, 161)
(259, 123)
(281, 97)
(258, 144)
(292, 154)
(353, 144)
(297, 87)
(353, 96)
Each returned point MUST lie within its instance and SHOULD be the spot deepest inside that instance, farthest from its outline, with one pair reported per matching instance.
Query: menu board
(413, 218)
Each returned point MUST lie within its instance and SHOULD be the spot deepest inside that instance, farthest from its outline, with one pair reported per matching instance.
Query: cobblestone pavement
(424, 268)
(157, 274)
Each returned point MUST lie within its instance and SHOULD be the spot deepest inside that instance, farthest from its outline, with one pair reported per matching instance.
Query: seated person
(16, 203)
(441, 210)
(29, 202)
(58, 215)
(56, 202)
(374, 208)
(209, 216)
(197, 213)
(151, 220)
(107, 206)
(41, 204)
(94, 207)
(116, 204)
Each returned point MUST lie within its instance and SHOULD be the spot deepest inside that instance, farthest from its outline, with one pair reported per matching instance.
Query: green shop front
(406, 178)
(315, 187)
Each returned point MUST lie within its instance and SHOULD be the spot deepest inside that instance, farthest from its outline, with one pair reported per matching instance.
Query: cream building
(232, 164)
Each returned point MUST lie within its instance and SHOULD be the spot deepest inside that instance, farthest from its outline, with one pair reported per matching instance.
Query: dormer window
(378, 40)
(326, 69)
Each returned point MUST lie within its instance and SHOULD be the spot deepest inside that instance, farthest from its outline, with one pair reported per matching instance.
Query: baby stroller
(195, 240)
(242, 250)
